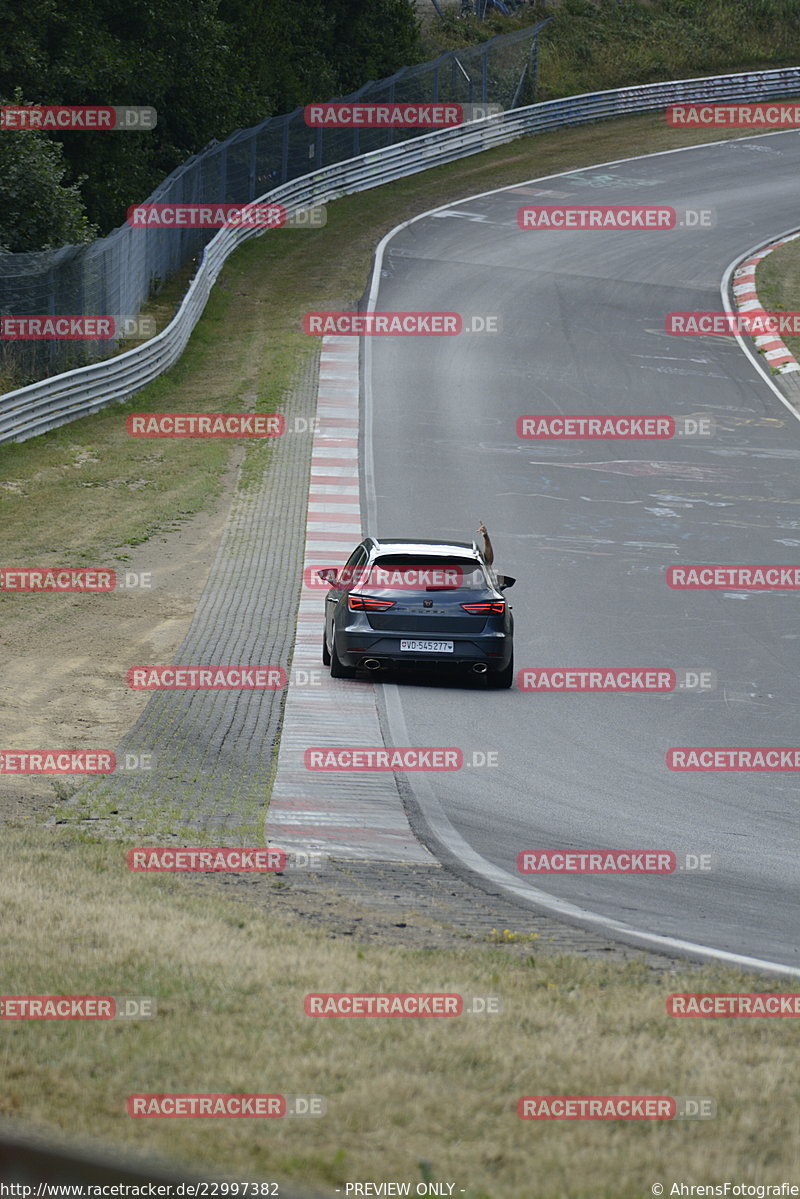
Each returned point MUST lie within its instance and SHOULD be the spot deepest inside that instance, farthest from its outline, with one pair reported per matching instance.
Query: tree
(371, 39)
(208, 68)
(38, 209)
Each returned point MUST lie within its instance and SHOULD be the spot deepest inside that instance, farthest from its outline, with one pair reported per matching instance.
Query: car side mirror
(504, 581)
(327, 576)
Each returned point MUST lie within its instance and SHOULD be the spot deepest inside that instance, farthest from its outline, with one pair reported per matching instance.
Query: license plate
(427, 647)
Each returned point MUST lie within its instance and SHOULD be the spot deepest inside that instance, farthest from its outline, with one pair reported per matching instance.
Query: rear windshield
(425, 573)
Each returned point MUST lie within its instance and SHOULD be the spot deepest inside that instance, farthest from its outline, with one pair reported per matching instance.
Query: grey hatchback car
(418, 605)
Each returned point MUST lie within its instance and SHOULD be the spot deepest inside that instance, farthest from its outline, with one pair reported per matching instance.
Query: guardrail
(52, 402)
(116, 273)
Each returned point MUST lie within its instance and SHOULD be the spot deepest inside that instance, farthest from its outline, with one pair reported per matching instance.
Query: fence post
(534, 65)
(390, 138)
(54, 347)
(285, 151)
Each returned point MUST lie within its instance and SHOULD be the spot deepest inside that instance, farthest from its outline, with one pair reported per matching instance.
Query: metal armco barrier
(117, 273)
(41, 406)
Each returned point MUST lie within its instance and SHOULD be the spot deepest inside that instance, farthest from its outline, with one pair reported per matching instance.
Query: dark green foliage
(38, 210)
(208, 67)
(591, 45)
(617, 43)
(212, 66)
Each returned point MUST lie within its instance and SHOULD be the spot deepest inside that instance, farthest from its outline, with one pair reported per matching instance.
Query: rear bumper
(491, 650)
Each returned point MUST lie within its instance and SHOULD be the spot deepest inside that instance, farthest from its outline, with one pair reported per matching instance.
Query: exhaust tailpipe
(371, 664)
(479, 667)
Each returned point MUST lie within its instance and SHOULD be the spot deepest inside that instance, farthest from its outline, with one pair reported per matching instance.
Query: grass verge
(229, 987)
(778, 285)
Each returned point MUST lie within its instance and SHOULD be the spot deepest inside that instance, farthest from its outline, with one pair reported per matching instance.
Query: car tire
(497, 679)
(338, 671)
(326, 657)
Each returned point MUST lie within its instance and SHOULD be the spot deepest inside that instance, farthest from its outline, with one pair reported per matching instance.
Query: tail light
(485, 607)
(368, 603)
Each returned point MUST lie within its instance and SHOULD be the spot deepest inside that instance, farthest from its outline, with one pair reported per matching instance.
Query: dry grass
(230, 985)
